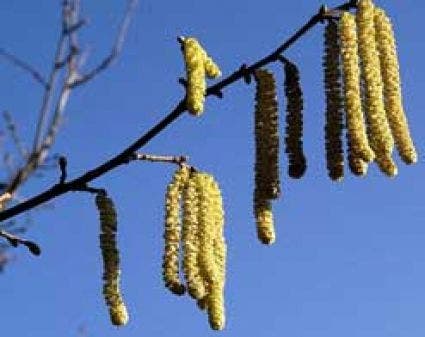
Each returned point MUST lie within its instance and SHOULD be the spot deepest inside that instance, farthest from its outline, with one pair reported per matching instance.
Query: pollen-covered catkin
(357, 165)
(355, 123)
(266, 135)
(172, 230)
(294, 121)
(334, 104)
(191, 240)
(111, 271)
(264, 219)
(386, 44)
(198, 65)
(380, 136)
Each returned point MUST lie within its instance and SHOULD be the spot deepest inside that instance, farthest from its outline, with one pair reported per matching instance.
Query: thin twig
(116, 48)
(11, 127)
(15, 60)
(161, 159)
(122, 158)
(15, 241)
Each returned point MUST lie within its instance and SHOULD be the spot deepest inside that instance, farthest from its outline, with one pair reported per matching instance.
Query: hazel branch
(15, 241)
(122, 158)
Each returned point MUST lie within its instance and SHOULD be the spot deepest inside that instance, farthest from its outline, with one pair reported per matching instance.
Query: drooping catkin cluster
(203, 244)
(198, 65)
(294, 121)
(111, 269)
(267, 182)
(334, 103)
(372, 91)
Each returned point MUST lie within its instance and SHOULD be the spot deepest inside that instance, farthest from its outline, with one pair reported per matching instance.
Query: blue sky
(349, 257)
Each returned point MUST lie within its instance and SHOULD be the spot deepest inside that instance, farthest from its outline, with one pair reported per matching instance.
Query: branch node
(245, 73)
(217, 92)
(62, 166)
(323, 12)
(183, 82)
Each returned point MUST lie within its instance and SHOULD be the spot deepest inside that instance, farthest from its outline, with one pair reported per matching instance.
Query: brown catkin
(386, 45)
(110, 254)
(266, 135)
(334, 104)
(355, 124)
(294, 121)
(172, 232)
(379, 131)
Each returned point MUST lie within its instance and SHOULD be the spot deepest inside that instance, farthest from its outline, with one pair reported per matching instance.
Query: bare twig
(15, 60)
(15, 241)
(116, 48)
(162, 159)
(62, 166)
(123, 157)
(11, 127)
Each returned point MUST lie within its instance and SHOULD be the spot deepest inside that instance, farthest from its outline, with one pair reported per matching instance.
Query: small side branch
(116, 48)
(15, 60)
(179, 160)
(15, 241)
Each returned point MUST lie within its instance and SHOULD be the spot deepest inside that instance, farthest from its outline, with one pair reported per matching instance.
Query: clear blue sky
(349, 258)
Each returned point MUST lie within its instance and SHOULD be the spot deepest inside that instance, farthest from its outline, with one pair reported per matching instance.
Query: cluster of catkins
(198, 66)
(371, 93)
(194, 220)
(111, 260)
(266, 124)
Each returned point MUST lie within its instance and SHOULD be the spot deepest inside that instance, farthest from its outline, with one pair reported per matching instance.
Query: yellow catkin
(266, 135)
(198, 65)
(334, 104)
(190, 239)
(111, 271)
(172, 231)
(392, 87)
(380, 136)
(294, 122)
(357, 165)
(355, 124)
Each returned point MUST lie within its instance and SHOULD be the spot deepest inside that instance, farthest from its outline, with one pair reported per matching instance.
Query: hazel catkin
(294, 121)
(380, 136)
(198, 65)
(386, 45)
(172, 233)
(111, 271)
(334, 105)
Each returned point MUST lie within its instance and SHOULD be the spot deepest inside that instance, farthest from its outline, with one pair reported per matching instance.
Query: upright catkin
(198, 65)
(111, 270)
(172, 232)
(355, 124)
(379, 131)
(334, 103)
(191, 240)
(266, 135)
(386, 45)
(294, 121)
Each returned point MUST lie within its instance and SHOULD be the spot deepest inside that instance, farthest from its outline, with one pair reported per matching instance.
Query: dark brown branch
(24, 66)
(160, 159)
(116, 48)
(123, 157)
(15, 241)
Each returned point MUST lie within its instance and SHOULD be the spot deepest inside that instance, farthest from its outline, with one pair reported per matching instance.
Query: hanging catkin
(267, 184)
(190, 239)
(386, 45)
(294, 121)
(111, 271)
(359, 148)
(379, 131)
(334, 104)
(266, 135)
(172, 231)
(198, 65)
